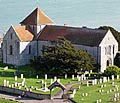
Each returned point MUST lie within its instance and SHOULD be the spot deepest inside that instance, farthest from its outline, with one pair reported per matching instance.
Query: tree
(62, 57)
(117, 60)
(112, 70)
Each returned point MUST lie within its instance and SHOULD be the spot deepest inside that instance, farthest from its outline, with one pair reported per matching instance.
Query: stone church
(24, 42)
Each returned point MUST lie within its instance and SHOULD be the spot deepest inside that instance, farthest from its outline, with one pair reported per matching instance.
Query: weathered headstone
(108, 79)
(95, 81)
(15, 78)
(58, 80)
(6, 68)
(79, 78)
(87, 83)
(5, 83)
(104, 79)
(37, 76)
(117, 76)
(112, 77)
(100, 81)
(55, 78)
(51, 81)
(73, 77)
(45, 76)
(65, 76)
(21, 76)
(90, 71)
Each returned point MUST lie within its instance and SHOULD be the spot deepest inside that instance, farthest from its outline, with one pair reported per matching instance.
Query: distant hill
(115, 33)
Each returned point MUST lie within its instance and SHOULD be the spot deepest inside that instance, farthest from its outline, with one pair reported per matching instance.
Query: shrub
(112, 70)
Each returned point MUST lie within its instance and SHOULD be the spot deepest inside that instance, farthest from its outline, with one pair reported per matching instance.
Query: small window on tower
(30, 49)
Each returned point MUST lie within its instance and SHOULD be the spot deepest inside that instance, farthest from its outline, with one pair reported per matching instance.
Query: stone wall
(27, 93)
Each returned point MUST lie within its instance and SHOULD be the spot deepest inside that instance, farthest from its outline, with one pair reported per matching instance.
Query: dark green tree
(62, 57)
(112, 70)
(117, 60)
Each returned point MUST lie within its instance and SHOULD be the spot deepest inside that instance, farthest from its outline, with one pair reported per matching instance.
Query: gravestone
(37, 76)
(6, 68)
(21, 76)
(51, 81)
(5, 83)
(117, 76)
(87, 83)
(108, 79)
(55, 78)
(73, 77)
(45, 76)
(79, 78)
(100, 81)
(65, 76)
(104, 79)
(95, 81)
(112, 77)
(15, 78)
(90, 71)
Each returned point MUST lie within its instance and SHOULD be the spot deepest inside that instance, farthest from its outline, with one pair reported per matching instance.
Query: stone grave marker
(112, 77)
(15, 78)
(65, 76)
(73, 77)
(45, 76)
(21, 76)
(117, 76)
(37, 76)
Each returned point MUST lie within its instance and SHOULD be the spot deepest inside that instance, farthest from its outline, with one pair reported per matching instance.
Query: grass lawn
(7, 101)
(94, 94)
(30, 81)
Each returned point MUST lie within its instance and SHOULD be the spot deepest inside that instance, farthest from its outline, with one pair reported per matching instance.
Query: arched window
(11, 50)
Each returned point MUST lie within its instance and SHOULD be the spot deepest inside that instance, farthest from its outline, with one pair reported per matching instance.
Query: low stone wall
(27, 93)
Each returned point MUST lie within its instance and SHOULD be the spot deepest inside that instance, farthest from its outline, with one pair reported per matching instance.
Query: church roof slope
(23, 33)
(37, 17)
(80, 36)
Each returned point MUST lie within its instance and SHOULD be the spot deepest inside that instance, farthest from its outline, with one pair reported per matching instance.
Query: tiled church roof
(37, 17)
(80, 36)
(23, 33)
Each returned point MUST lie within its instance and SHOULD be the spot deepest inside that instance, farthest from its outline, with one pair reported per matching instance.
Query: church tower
(37, 20)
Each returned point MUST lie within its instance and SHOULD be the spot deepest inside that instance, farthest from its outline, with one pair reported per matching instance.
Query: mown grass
(94, 94)
(31, 80)
(2, 100)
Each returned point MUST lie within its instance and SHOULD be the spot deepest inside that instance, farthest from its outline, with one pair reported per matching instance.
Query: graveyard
(102, 90)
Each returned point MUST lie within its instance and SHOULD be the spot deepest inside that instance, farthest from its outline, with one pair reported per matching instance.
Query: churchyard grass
(2, 100)
(93, 93)
(8, 75)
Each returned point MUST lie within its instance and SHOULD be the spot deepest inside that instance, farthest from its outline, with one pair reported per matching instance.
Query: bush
(112, 70)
